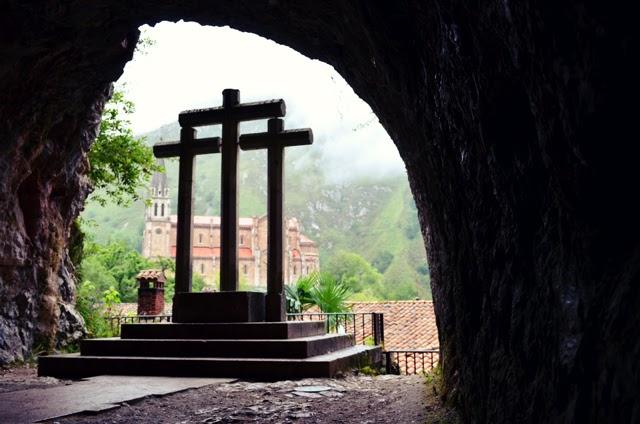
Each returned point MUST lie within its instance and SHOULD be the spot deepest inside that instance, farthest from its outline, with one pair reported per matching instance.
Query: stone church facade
(159, 240)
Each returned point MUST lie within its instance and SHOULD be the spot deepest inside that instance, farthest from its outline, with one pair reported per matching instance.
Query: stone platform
(221, 307)
(260, 350)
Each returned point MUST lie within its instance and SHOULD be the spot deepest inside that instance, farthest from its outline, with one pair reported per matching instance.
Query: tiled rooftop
(408, 324)
(152, 274)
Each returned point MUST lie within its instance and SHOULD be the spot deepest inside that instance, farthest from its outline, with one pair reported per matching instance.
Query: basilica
(301, 253)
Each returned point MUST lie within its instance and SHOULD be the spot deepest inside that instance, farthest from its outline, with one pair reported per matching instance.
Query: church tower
(157, 228)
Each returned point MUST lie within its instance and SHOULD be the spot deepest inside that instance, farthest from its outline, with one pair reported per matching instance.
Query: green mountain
(374, 217)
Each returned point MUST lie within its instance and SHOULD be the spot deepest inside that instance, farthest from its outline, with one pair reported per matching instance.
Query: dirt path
(383, 399)
(353, 399)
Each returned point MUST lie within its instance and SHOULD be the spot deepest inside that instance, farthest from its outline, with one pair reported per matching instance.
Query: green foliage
(369, 370)
(197, 283)
(382, 260)
(329, 293)
(89, 305)
(120, 164)
(354, 271)
(299, 294)
(320, 289)
(110, 297)
(422, 269)
(114, 264)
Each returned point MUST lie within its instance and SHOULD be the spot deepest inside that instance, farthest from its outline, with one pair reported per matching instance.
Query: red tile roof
(151, 274)
(408, 324)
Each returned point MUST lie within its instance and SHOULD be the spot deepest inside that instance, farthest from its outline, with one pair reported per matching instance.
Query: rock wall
(515, 123)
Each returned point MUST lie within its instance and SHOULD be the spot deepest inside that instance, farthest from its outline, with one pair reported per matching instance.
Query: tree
(119, 164)
(382, 261)
(115, 265)
(352, 269)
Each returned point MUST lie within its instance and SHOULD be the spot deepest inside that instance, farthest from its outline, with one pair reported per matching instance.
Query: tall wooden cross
(186, 149)
(275, 140)
(230, 114)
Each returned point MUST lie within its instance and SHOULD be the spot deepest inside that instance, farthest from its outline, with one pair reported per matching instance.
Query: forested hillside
(373, 216)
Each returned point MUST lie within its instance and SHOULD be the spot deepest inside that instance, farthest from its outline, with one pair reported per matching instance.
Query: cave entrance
(348, 204)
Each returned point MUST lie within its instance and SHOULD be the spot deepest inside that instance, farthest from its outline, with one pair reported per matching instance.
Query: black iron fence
(116, 321)
(407, 362)
(366, 327)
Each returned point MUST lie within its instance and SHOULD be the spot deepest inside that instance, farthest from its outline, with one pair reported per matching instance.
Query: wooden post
(229, 192)
(186, 150)
(275, 300)
(275, 140)
(184, 228)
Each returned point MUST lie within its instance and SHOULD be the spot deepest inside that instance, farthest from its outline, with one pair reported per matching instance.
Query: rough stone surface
(49, 400)
(514, 121)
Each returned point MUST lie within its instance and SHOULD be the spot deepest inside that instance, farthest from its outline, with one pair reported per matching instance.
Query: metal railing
(116, 321)
(408, 362)
(366, 327)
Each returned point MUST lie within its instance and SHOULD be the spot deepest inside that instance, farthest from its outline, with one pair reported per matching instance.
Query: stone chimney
(151, 292)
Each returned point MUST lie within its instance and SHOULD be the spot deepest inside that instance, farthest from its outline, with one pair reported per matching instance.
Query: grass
(438, 411)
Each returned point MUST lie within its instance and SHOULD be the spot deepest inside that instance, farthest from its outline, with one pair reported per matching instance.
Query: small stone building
(151, 292)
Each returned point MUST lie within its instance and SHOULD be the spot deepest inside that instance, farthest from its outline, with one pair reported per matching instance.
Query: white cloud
(189, 65)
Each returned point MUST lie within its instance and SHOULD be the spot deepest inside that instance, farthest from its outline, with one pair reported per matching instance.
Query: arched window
(200, 238)
(295, 270)
(155, 209)
(244, 269)
(162, 210)
(241, 239)
(201, 268)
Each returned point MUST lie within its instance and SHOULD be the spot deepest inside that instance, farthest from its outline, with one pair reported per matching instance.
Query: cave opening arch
(433, 73)
(189, 65)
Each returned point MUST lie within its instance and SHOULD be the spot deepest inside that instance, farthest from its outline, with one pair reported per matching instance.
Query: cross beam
(186, 149)
(230, 114)
(275, 140)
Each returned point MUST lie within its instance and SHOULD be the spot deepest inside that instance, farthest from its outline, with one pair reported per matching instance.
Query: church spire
(159, 181)
(159, 207)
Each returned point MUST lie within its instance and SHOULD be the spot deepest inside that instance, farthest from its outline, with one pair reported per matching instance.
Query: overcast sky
(189, 65)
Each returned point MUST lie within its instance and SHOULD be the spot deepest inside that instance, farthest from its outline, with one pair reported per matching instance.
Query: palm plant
(322, 290)
(329, 294)
(299, 294)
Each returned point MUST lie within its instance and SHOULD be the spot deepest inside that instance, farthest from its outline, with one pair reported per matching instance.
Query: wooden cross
(186, 150)
(275, 140)
(230, 114)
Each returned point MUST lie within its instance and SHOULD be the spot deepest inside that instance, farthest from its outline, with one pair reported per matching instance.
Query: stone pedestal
(219, 307)
(275, 308)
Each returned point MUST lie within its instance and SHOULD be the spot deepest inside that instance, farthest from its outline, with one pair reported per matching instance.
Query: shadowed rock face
(515, 121)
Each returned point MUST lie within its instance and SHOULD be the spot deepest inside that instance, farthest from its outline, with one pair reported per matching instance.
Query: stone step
(303, 347)
(328, 365)
(233, 330)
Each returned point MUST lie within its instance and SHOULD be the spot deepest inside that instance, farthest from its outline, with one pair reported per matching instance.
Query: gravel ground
(352, 399)
(25, 377)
